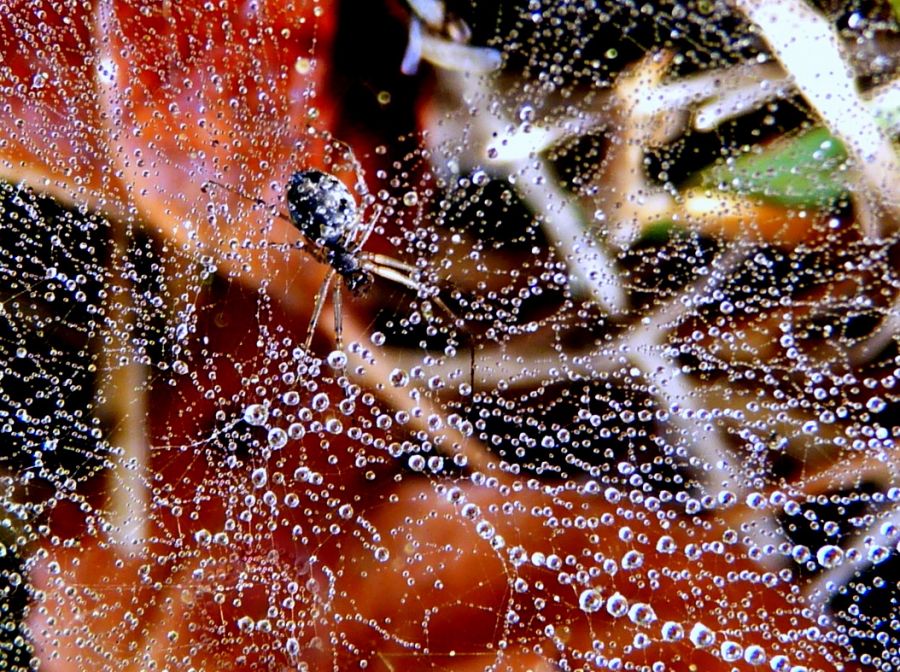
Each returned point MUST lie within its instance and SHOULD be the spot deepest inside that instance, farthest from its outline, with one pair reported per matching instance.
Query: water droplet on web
(617, 605)
(829, 556)
(590, 600)
(731, 651)
(701, 636)
(632, 560)
(259, 477)
(641, 614)
(526, 112)
(755, 655)
(672, 631)
(337, 360)
(783, 664)
(876, 404)
(278, 438)
(256, 414)
(666, 544)
(320, 402)
(399, 378)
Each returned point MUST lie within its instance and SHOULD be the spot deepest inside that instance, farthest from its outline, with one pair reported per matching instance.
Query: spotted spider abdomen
(321, 207)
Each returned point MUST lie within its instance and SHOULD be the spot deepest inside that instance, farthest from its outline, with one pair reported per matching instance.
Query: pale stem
(678, 394)
(821, 589)
(524, 367)
(809, 49)
(459, 57)
(590, 264)
(432, 12)
(122, 388)
(622, 191)
(885, 104)
(375, 374)
(878, 340)
(563, 223)
(739, 101)
(641, 345)
(724, 93)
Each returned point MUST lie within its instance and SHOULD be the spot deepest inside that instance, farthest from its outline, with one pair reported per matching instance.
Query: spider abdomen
(322, 208)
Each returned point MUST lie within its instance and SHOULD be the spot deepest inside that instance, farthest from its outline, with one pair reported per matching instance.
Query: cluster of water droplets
(589, 427)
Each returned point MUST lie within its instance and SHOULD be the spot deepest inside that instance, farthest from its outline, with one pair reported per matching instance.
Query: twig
(810, 51)
(592, 268)
(878, 340)
(640, 345)
(881, 533)
(122, 390)
(375, 375)
(724, 93)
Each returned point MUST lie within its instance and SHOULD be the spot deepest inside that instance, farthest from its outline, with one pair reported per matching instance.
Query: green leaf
(805, 170)
(662, 231)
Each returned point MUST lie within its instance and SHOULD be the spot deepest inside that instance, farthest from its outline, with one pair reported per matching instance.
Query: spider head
(358, 281)
(356, 278)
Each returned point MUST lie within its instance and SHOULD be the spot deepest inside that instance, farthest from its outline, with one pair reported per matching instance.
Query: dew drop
(701, 636)
(672, 631)
(829, 556)
(320, 402)
(337, 360)
(278, 438)
(617, 605)
(590, 600)
(399, 378)
(259, 477)
(256, 414)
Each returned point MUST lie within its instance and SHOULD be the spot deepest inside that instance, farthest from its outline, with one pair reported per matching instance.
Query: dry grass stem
(868, 547)
(122, 403)
(592, 268)
(809, 49)
(374, 374)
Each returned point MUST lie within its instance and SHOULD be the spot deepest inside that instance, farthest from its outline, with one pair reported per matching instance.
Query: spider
(324, 211)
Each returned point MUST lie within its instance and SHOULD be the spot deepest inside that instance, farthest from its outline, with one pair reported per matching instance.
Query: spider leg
(357, 166)
(317, 308)
(367, 230)
(388, 272)
(390, 262)
(337, 302)
(374, 261)
(300, 245)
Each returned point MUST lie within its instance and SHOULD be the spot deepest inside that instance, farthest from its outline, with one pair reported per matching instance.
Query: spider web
(672, 260)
